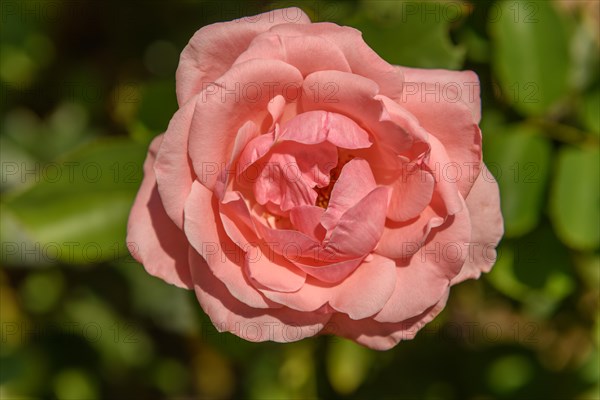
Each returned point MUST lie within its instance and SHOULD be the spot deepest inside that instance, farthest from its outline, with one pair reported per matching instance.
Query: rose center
(324, 193)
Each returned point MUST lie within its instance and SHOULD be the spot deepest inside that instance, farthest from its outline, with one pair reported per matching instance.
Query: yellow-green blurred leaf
(590, 111)
(406, 33)
(519, 158)
(575, 199)
(531, 58)
(347, 365)
(75, 210)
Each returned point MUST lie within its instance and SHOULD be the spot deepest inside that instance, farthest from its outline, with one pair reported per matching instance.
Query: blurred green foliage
(85, 87)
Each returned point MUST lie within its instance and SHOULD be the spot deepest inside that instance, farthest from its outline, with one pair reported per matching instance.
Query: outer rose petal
(307, 53)
(257, 325)
(383, 336)
(456, 85)
(426, 278)
(173, 169)
(487, 226)
(449, 114)
(213, 49)
(362, 59)
(154, 240)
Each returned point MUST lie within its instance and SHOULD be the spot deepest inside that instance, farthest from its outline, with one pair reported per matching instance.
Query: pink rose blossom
(307, 186)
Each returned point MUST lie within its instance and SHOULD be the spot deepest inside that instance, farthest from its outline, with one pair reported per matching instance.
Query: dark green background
(87, 84)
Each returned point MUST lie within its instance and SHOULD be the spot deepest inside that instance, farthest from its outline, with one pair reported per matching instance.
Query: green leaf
(531, 59)
(74, 210)
(590, 111)
(584, 53)
(63, 130)
(169, 307)
(120, 342)
(478, 48)
(519, 158)
(347, 365)
(575, 200)
(535, 270)
(404, 34)
(75, 384)
(502, 276)
(14, 159)
(540, 256)
(509, 373)
(588, 267)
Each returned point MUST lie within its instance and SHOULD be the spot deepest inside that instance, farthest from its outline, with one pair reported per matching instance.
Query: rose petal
(359, 229)
(307, 219)
(374, 280)
(228, 314)
(276, 108)
(411, 193)
(487, 226)
(225, 259)
(154, 240)
(382, 336)
(272, 271)
(362, 59)
(447, 105)
(351, 95)
(289, 243)
(245, 135)
(237, 221)
(240, 95)
(273, 185)
(456, 86)
(307, 53)
(446, 173)
(354, 183)
(356, 96)
(248, 132)
(395, 115)
(173, 169)
(401, 240)
(318, 126)
(257, 148)
(360, 295)
(213, 49)
(326, 268)
(426, 277)
(290, 171)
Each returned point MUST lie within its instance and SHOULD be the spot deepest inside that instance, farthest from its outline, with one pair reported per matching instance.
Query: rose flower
(307, 186)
